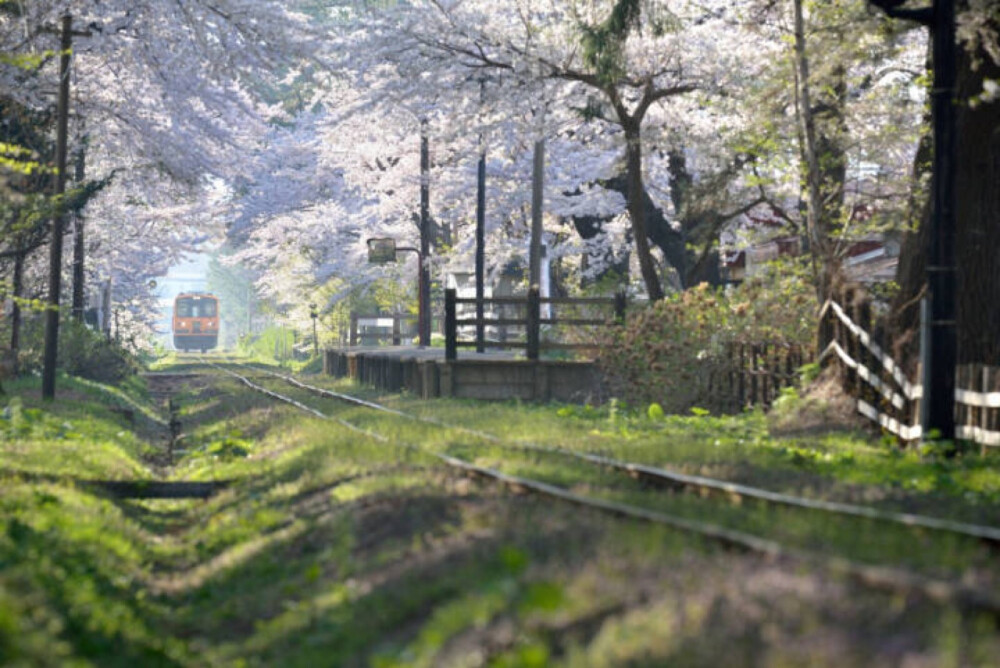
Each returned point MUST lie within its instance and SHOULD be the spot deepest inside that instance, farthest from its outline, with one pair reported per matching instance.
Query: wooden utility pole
(59, 222)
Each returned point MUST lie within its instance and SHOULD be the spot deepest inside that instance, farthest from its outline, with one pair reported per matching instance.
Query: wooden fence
(885, 394)
(752, 374)
(529, 324)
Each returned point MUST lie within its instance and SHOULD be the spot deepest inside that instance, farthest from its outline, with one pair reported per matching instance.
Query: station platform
(495, 374)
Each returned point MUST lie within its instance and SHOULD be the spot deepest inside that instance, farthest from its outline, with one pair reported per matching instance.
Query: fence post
(450, 327)
(621, 304)
(743, 376)
(354, 329)
(532, 322)
(984, 415)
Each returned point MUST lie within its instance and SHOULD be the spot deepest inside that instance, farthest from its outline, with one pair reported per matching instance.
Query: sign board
(381, 251)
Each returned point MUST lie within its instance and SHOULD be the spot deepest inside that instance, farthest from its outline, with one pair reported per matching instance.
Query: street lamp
(313, 313)
(382, 250)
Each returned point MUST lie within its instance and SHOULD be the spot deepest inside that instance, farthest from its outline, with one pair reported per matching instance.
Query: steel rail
(985, 533)
(879, 577)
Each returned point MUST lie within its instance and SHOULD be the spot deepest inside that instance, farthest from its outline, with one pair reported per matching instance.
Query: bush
(677, 350)
(85, 353)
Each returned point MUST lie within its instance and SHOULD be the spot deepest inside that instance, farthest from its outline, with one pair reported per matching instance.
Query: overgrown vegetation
(330, 548)
(676, 351)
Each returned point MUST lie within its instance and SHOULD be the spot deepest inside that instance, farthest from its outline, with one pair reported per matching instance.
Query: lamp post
(383, 250)
(313, 313)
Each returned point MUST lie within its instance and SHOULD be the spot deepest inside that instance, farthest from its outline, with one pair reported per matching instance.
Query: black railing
(531, 322)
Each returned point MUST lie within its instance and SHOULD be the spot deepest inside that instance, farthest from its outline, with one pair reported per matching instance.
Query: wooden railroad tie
(158, 489)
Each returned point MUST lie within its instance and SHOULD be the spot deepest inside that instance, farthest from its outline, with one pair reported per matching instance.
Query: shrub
(677, 351)
(84, 352)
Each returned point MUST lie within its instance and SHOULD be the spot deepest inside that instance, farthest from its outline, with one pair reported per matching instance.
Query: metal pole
(480, 251)
(78, 245)
(59, 222)
(424, 280)
(939, 372)
(537, 185)
(481, 233)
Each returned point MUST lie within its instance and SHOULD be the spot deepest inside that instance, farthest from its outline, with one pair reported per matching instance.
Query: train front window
(195, 308)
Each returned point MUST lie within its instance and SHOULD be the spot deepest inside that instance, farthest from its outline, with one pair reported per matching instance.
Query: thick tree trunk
(911, 274)
(637, 211)
(977, 215)
(977, 233)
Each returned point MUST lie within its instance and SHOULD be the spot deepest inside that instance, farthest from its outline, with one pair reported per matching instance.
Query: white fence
(886, 396)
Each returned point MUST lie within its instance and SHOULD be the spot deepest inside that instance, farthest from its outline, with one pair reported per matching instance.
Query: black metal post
(424, 282)
(537, 191)
(59, 222)
(79, 277)
(621, 306)
(939, 372)
(450, 325)
(533, 322)
(480, 252)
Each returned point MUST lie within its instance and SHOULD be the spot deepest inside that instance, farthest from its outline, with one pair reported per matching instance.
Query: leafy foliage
(668, 352)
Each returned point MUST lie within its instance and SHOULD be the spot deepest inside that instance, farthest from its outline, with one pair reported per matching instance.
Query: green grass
(331, 548)
(842, 465)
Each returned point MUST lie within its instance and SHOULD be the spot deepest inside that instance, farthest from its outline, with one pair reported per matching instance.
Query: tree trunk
(977, 233)
(977, 214)
(637, 210)
(821, 132)
(15, 315)
(911, 275)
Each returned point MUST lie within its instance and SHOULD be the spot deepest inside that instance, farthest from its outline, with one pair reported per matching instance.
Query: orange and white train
(196, 321)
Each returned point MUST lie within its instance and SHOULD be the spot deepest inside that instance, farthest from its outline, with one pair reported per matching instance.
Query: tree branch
(894, 9)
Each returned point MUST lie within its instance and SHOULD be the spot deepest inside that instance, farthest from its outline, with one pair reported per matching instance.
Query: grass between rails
(844, 466)
(333, 549)
(932, 552)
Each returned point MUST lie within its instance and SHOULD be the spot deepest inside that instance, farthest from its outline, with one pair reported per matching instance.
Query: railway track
(988, 534)
(886, 578)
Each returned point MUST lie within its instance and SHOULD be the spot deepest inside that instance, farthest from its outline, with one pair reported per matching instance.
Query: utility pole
(424, 282)
(59, 222)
